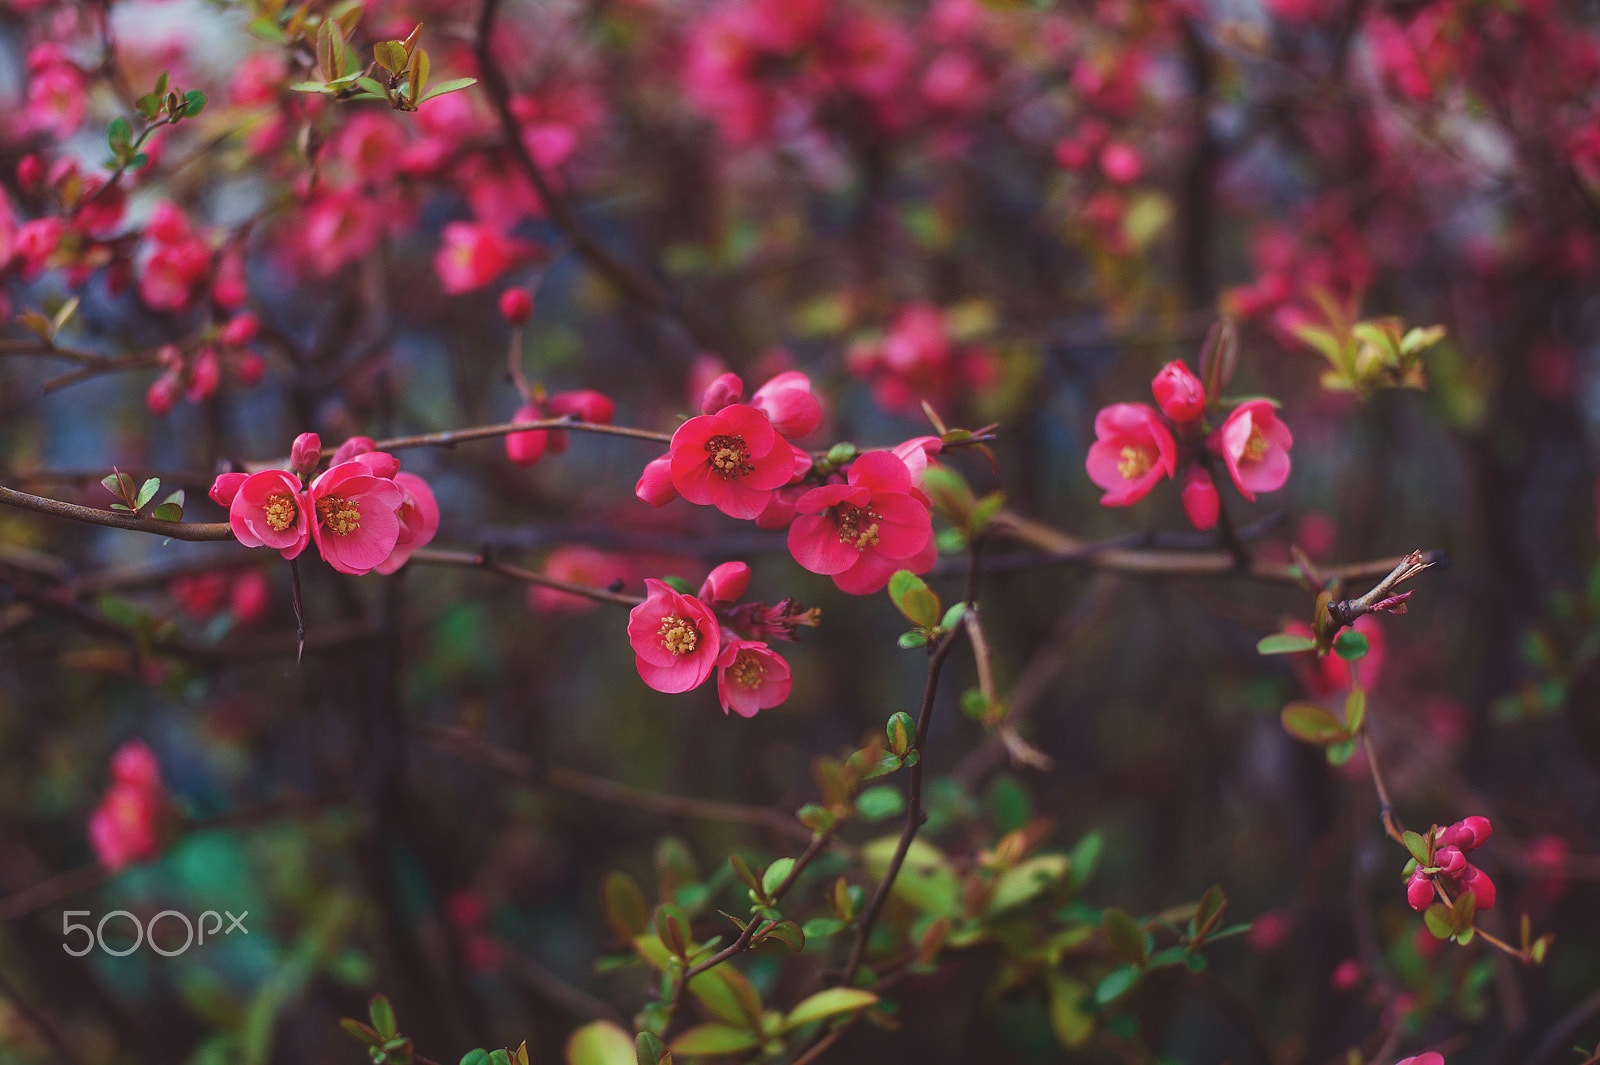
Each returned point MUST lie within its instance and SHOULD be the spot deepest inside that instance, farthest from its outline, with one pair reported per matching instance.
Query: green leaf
(708, 1040)
(953, 616)
(119, 135)
(452, 85)
(728, 995)
(310, 86)
(1350, 645)
(626, 910)
(879, 802)
(138, 162)
(1026, 880)
(1085, 858)
(1417, 845)
(648, 1049)
(926, 881)
(1166, 959)
(900, 730)
(912, 596)
(356, 1030)
(1072, 1024)
(909, 640)
(194, 101)
(1115, 985)
(816, 818)
(373, 87)
(823, 927)
(600, 1043)
(418, 79)
(499, 1057)
(382, 1015)
(331, 55)
(1126, 937)
(829, 1003)
(788, 933)
(775, 874)
(1310, 723)
(472, 1057)
(391, 55)
(1340, 753)
(1285, 643)
(1355, 710)
(673, 928)
(148, 105)
(112, 483)
(678, 584)
(1207, 914)
(147, 491)
(1437, 918)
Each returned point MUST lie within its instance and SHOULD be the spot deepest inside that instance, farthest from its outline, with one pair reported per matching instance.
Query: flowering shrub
(1000, 773)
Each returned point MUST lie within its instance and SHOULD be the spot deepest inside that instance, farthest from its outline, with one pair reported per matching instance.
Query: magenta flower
(1255, 445)
(419, 521)
(270, 510)
(655, 484)
(1133, 449)
(726, 583)
(125, 827)
(751, 677)
(732, 459)
(1199, 498)
(472, 256)
(675, 639)
(861, 532)
(1450, 869)
(357, 516)
(1179, 393)
(788, 402)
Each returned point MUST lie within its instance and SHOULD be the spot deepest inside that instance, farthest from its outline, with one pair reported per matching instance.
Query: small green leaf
(1126, 937)
(1115, 985)
(267, 29)
(119, 135)
(1437, 918)
(1355, 710)
(953, 616)
(1340, 753)
(1350, 645)
(138, 162)
(707, 1040)
(310, 86)
(148, 105)
(775, 874)
(816, 818)
(382, 1015)
(912, 596)
(391, 55)
(650, 1050)
(673, 928)
(786, 932)
(356, 1030)
(880, 802)
(475, 1057)
(599, 1043)
(452, 85)
(829, 1003)
(194, 101)
(1072, 1023)
(823, 927)
(1285, 643)
(418, 79)
(1417, 845)
(909, 640)
(974, 703)
(678, 584)
(626, 910)
(1310, 723)
(1207, 914)
(900, 731)
(147, 491)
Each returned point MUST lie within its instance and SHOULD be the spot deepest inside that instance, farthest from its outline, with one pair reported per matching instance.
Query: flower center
(747, 671)
(678, 635)
(857, 525)
(339, 516)
(281, 511)
(730, 455)
(1136, 461)
(1256, 445)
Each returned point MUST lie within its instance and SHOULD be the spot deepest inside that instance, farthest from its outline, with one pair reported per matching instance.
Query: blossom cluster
(1137, 446)
(126, 826)
(364, 512)
(1449, 868)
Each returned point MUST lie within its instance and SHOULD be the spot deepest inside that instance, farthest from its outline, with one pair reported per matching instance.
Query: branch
(175, 530)
(431, 557)
(626, 279)
(483, 432)
(1383, 596)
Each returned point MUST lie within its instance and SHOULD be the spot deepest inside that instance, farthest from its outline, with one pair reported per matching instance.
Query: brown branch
(484, 432)
(1345, 611)
(432, 557)
(175, 530)
(628, 280)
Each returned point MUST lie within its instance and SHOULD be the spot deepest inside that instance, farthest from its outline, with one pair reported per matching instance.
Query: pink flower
(226, 486)
(732, 460)
(305, 453)
(526, 448)
(722, 391)
(751, 677)
(675, 638)
(1133, 449)
(269, 510)
(419, 520)
(516, 306)
(590, 406)
(575, 564)
(1179, 393)
(357, 521)
(1449, 848)
(1199, 497)
(788, 402)
(726, 583)
(135, 764)
(1432, 1057)
(1121, 163)
(861, 532)
(124, 828)
(1255, 445)
(249, 597)
(472, 256)
(655, 483)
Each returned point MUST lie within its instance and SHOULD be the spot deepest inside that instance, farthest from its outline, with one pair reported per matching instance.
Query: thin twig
(484, 432)
(175, 530)
(434, 557)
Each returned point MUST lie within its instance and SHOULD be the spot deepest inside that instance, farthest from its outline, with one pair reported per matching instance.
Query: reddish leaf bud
(516, 306)
(655, 484)
(527, 448)
(1199, 497)
(721, 392)
(1179, 393)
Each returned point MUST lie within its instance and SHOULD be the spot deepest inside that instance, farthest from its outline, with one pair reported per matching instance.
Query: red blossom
(676, 639)
(1133, 449)
(1255, 445)
(355, 512)
(751, 677)
(859, 533)
(732, 460)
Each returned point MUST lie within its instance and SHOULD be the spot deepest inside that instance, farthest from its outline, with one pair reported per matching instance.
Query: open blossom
(125, 827)
(1451, 870)
(419, 520)
(675, 638)
(1133, 449)
(861, 532)
(1255, 445)
(576, 564)
(751, 677)
(268, 509)
(356, 512)
(732, 459)
(472, 256)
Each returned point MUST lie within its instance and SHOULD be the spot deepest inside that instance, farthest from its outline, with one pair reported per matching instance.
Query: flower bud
(135, 764)
(168, 224)
(1450, 860)
(655, 484)
(1477, 881)
(527, 448)
(305, 453)
(240, 330)
(1179, 393)
(516, 306)
(594, 407)
(725, 584)
(162, 395)
(1469, 834)
(356, 445)
(205, 373)
(1419, 891)
(249, 367)
(722, 391)
(30, 173)
(249, 598)
(787, 401)
(1199, 498)
(381, 463)
(225, 487)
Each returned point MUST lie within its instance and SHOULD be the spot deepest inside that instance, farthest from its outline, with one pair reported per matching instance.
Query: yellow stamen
(678, 635)
(339, 516)
(1256, 446)
(746, 671)
(1136, 461)
(730, 455)
(281, 511)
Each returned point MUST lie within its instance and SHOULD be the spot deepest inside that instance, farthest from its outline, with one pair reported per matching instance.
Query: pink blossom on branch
(732, 460)
(268, 509)
(125, 827)
(356, 522)
(472, 256)
(859, 533)
(1255, 445)
(676, 639)
(419, 520)
(1133, 449)
(751, 677)
(787, 400)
